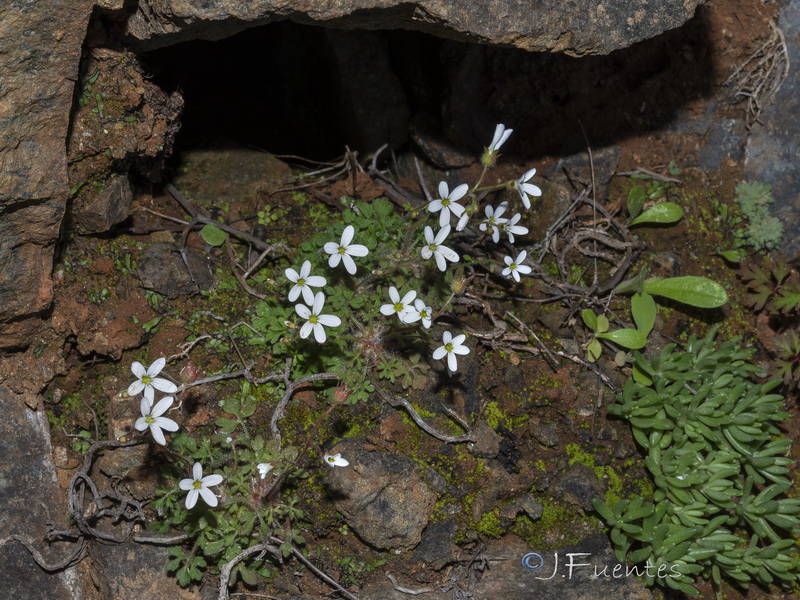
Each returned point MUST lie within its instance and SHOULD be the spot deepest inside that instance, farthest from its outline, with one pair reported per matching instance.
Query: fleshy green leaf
(694, 291)
(213, 236)
(628, 338)
(661, 213)
(643, 309)
(636, 199)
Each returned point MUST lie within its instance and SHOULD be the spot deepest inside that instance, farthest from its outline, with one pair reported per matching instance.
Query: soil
(546, 413)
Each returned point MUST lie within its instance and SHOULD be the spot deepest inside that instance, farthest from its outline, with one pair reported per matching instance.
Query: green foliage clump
(718, 463)
(763, 232)
(775, 290)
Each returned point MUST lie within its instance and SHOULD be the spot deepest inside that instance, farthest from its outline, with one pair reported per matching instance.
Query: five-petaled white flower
(527, 189)
(451, 346)
(316, 322)
(151, 417)
(147, 380)
(419, 311)
(303, 282)
(344, 250)
(500, 136)
(199, 485)
(446, 202)
(399, 306)
(491, 224)
(433, 247)
(336, 460)
(515, 266)
(512, 229)
(264, 468)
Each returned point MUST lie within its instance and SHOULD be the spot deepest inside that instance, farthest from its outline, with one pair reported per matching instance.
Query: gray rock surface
(504, 576)
(112, 206)
(381, 496)
(574, 27)
(30, 497)
(774, 144)
(37, 77)
(163, 270)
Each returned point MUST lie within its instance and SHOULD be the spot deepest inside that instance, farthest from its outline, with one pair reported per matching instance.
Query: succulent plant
(718, 463)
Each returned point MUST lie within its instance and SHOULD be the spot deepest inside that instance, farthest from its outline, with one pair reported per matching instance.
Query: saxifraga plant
(718, 463)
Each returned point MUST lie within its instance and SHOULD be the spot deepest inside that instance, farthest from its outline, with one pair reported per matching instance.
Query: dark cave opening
(311, 91)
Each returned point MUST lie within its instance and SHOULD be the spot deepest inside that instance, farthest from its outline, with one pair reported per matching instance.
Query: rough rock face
(572, 27)
(38, 73)
(381, 496)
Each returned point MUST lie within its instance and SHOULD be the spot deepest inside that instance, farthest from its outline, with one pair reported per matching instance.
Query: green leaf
(590, 319)
(213, 236)
(643, 309)
(662, 213)
(594, 350)
(628, 338)
(635, 201)
(694, 291)
(734, 256)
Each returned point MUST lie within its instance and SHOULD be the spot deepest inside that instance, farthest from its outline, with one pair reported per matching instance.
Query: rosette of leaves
(719, 467)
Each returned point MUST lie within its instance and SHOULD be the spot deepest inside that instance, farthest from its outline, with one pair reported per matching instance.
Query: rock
(381, 497)
(101, 213)
(436, 548)
(578, 168)
(215, 177)
(575, 28)
(544, 434)
(487, 442)
(725, 141)
(162, 269)
(511, 580)
(579, 485)
(133, 570)
(37, 73)
(30, 498)
(774, 144)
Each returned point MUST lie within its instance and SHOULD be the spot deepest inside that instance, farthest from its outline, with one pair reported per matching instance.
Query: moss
(557, 517)
(490, 525)
(495, 417)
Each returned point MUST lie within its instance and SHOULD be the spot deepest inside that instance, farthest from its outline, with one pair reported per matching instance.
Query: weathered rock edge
(574, 27)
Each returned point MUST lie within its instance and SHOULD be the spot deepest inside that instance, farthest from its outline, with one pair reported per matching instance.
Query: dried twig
(397, 402)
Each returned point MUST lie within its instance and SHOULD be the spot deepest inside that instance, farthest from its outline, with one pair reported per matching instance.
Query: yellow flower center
(342, 249)
(147, 380)
(445, 201)
(448, 347)
(301, 282)
(398, 307)
(149, 419)
(313, 319)
(197, 484)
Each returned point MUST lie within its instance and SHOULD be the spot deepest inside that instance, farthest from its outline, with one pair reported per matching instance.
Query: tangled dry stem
(759, 78)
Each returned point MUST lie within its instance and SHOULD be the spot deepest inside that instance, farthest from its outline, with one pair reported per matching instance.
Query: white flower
(512, 229)
(344, 250)
(500, 136)
(398, 305)
(446, 203)
(264, 468)
(336, 460)
(433, 247)
(527, 189)
(147, 380)
(419, 311)
(199, 485)
(303, 282)
(151, 417)
(316, 322)
(491, 224)
(462, 222)
(450, 347)
(515, 266)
